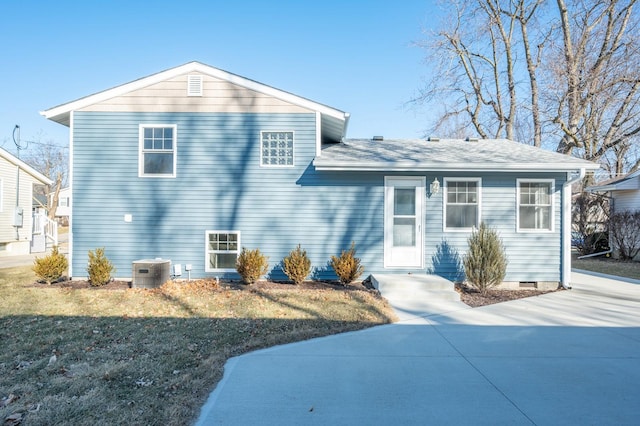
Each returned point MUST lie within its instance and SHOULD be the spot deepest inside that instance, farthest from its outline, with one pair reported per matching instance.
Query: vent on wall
(194, 85)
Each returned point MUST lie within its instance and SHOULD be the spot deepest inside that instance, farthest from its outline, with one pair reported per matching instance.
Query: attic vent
(194, 85)
(432, 139)
(378, 138)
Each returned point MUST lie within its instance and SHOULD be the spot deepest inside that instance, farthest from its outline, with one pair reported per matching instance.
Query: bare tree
(52, 161)
(598, 102)
(567, 72)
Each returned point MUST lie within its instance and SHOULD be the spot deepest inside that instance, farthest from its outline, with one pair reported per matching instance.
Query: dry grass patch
(88, 356)
(607, 265)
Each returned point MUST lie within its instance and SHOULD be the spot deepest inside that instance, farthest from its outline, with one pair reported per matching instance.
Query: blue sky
(356, 56)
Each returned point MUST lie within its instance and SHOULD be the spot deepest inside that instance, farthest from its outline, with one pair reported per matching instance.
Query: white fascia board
(183, 69)
(408, 167)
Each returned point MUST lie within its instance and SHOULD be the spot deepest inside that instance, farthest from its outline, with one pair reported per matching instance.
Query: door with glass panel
(403, 220)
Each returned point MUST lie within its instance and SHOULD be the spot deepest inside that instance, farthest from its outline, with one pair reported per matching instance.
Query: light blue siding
(221, 186)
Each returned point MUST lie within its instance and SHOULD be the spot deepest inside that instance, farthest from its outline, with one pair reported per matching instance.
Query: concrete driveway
(567, 358)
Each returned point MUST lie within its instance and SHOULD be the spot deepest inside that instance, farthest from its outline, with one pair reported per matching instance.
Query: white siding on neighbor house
(8, 174)
(626, 200)
(218, 96)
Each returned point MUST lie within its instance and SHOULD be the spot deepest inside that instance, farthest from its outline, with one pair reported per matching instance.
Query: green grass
(94, 356)
(606, 265)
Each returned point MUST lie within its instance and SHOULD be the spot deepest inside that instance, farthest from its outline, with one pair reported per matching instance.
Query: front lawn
(136, 356)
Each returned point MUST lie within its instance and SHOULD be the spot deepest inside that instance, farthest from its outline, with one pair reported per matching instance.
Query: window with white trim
(461, 203)
(157, 150)
(276, 149)
(535, 205)
(222, 251)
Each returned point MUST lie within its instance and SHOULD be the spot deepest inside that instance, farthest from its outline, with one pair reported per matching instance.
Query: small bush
(625, 233)
(251, 265)
(347, 267)
(297, 265)
(99, 268)
(485, 264)
(52, 267)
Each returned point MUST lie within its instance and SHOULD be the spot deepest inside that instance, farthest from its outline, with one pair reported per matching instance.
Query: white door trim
(404, 257)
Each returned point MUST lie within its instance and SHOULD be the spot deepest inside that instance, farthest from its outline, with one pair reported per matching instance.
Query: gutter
(566, 227)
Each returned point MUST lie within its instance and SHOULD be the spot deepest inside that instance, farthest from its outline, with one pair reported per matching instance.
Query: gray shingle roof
(444, 154)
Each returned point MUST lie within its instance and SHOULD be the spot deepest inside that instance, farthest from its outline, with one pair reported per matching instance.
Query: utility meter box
(18, 217)
(150, 273)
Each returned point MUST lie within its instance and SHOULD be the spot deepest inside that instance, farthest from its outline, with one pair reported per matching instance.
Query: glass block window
(158, 150)
(222, 250)
(276, 149)
(535, 205)
(462, 204)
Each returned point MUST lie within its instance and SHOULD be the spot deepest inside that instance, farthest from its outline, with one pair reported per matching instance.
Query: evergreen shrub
(52, 267)
(485, 264)
(99, 268)
(297, 265)
(251, 265)
(347, 266)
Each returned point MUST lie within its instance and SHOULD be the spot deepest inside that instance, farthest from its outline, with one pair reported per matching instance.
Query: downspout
(566, 227)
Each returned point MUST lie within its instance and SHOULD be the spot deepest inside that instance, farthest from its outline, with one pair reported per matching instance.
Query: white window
(222, 251)
(535, 205)
(157, 150)
(462, 203)
(194, 85)
(276, 149)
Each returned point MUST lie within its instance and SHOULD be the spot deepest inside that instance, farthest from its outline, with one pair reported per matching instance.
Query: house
(19, 230)
(624, 193)
(63, 209)
(193, 163)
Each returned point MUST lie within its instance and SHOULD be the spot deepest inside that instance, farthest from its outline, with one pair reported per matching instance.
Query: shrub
(251, 265)
(625, 233)
(297, 265)
(347, 267)
(51, 268)
(99, 268)
(485, 264)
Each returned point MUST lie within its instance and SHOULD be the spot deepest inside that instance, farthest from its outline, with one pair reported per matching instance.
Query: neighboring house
(18, 228)
(194, 163)
(63, 210)
(624, 193)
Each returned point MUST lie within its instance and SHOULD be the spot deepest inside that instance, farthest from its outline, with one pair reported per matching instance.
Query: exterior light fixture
(435, 186)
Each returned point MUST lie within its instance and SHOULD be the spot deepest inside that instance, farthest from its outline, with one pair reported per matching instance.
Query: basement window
(222, 251)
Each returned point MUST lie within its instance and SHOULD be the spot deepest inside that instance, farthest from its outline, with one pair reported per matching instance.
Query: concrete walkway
(567, 358)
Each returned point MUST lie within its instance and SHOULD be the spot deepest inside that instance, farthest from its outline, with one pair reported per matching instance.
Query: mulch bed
(468, 295)
(472, 297)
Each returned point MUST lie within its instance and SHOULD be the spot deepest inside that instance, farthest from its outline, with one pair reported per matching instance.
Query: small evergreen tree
(52, 267)
(297, 265)
(485, 264)
(251, 265)
(99, 268)
(347, 267)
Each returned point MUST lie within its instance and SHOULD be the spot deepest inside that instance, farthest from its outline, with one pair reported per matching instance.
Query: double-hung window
(462, 203)
(276, 149)
(535, 205)
(157, 150)
(222, 251)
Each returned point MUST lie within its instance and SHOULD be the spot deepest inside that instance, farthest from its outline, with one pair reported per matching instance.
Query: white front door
(403, 220)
